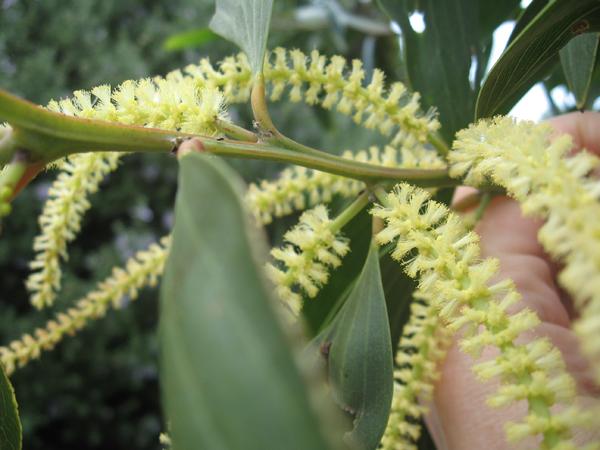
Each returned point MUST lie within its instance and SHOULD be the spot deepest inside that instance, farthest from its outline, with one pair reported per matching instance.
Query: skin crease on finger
(459, 417)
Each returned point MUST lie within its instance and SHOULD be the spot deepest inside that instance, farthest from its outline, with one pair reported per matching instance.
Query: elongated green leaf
(439, 59)
(245, 23)
(360, 357)
(189, 39)
(10, 425)
(578, 59)
(534, 51)
(534, 8)
(228, 375)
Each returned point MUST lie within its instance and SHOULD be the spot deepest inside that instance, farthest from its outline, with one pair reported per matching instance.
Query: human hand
(460, 419)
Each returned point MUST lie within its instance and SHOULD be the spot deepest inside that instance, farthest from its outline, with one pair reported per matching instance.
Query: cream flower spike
(329, 83)
(297, 188)
(168, 103)
(450, 272)
(141, 270)
(233, 76)
(552, 184)
(422, 346)
(317, 80)
(60, 221)
(312, 248)
(174, 104)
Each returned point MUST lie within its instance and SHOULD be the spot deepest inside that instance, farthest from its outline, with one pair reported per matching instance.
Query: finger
(460, 418)
(460, 410)
(583, 127)
(512, 238)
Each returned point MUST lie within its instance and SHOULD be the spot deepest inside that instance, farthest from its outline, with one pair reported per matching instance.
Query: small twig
(236, 132)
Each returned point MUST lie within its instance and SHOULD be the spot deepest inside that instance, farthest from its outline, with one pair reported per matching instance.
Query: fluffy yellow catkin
(155, 103)
(318, 80)
(60, 221)
(166, 103)
(447, 262)
(553, 184)
(312, 247)
(422, 345)
(141, 270)
(298, 187)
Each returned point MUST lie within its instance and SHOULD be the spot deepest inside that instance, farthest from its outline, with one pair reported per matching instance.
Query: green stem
(258, 100)
(47, 135)
(350, 212)
(368, 173)
(236, 132)
(440, 145)
(382, 196)
(486, 198)
(540, 408)
(269, 132)
(290, 144)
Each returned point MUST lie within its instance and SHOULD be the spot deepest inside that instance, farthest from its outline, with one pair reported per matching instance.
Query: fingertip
(584, 127)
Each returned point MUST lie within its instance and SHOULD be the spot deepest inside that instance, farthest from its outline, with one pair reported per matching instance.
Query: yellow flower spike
(304, 262)
(554, 185)
(174, 103)
(279, 65)
(319, 80)
(422, 345)
(334, 72)
(457, 281)
(316, 68)
(60, 221)
(141, 270)
(557, 423)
